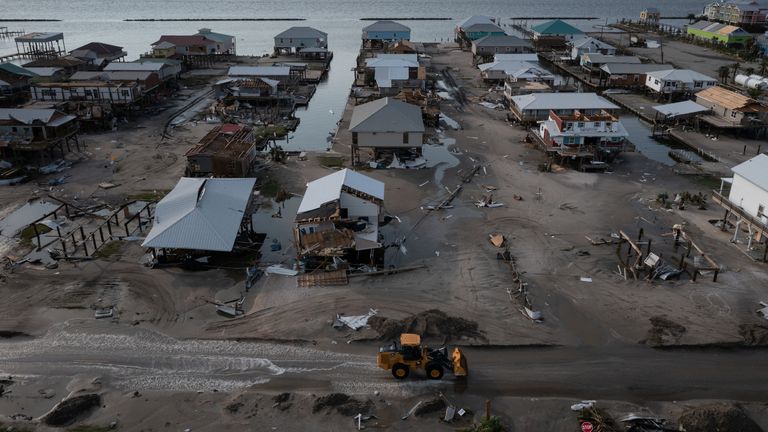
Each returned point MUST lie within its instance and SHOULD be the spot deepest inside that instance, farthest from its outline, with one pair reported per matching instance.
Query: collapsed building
(338, 219)
(229, 150)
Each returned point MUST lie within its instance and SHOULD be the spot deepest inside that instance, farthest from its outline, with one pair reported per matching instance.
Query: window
(698, 84)
(405, 138)
(608, 125)
(88, 93)
(354, 138)
(125, 93)
(760, 210)
(581, 124)
(48, 92)
(597, 124)
(14, 129)
(733, 114)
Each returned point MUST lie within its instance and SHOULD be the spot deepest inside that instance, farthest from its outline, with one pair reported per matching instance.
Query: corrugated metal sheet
(201, 214)
(328, 188)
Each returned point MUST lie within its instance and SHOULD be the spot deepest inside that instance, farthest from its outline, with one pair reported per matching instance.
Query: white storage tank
(741, 80)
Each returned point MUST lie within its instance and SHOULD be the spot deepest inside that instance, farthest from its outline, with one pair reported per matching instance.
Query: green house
(556, 28)
(481, 30)
(723, 33)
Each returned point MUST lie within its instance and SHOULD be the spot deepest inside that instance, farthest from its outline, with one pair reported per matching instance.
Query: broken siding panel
(357, 207)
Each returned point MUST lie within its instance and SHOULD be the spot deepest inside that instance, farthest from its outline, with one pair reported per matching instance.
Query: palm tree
(735, 67)
(764, 67)
(691, 18)
(723, 73)
(749, 71)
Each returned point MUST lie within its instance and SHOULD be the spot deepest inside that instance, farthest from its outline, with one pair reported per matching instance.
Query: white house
(225, 44)
(394, 71)
(201, 214)
(588, 45)
(749, 187)
(678, 81)
(601, 131)
(114, 93)
(296, 39)
(535, 107)
(339, 216)
(515, 71)
(277, 73)
(593, 61)
(387, 124)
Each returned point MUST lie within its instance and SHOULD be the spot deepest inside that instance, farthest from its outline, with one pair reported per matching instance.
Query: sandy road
(131, 359)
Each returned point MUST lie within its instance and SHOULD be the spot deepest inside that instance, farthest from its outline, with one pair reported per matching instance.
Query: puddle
(640, 136)
(279, 230)
(18, 219)
(440, 158)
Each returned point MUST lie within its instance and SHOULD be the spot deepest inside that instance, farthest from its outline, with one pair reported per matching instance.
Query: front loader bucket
(460, 368)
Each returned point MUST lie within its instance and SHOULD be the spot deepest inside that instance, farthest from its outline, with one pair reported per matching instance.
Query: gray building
(500, 44)
(296, 39)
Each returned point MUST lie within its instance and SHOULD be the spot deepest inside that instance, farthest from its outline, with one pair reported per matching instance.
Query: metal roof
(386, 26)
(515, 68)
(588, 40)
(754, 170)
(542, 101)
(602, 58)
(386, 115)
(218, 37)
(133, 66)
(680, 108)
(633, 68)
(327, 189)
(526, 57)
(718, 28)
(501, 41)
(483, 28)
(683, 75)
(302, 33)
(555, 27)
(201, 214)
(259, 71)
(44, 71)
(31, 115)
(16, 70)
(475, 19)
(40, 37)
(185, 40)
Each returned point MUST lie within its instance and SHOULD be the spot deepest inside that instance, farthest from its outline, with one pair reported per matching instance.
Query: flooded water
(16, 220)
(640, 136)
(276, 220)
(96, 20)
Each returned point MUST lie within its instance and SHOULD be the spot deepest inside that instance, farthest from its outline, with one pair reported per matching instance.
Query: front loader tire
(434, 371)
(400, 371)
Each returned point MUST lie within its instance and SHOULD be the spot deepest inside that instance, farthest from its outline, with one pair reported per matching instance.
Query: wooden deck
(323, 278)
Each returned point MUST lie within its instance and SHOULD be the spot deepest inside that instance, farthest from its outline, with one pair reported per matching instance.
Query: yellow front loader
(409, 355)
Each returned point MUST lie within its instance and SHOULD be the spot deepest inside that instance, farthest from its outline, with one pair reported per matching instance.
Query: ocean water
(85, 21)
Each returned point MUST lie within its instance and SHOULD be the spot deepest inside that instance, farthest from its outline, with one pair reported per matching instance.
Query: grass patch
(707, 182)
(332, 161)
(492, 424)
(90, 428)
(148, 195)
(108, 249)
(28, 233)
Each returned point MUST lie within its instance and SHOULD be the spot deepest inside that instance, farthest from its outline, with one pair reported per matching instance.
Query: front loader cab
(410, 346)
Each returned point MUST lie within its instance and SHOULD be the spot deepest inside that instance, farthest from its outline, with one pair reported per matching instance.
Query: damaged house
(228, 150)
(338, 219)
(393, 72)
(36, 130)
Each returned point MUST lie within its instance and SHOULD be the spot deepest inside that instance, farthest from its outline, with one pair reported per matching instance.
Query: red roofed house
(99, 53)
(184, 45)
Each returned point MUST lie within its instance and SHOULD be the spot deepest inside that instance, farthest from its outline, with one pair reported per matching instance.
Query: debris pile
(598, 419)
(663, 332)
(344, 404)
(754, 334)
(717, 417)
(432, 323)
(429, 407)
(70, 410)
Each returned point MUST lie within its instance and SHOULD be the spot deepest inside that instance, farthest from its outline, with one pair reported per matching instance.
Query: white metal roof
(302, 33)
(542, 101)
(131, 66)
(201, 214)
(754, 170)
(602, 58)
(327, 189)
(680, 108)
(683, 75)
(44, 71)
(386, 115)
(30, 115)
(259, 71)
(527, 57)
(633, 68)
(588, 40)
